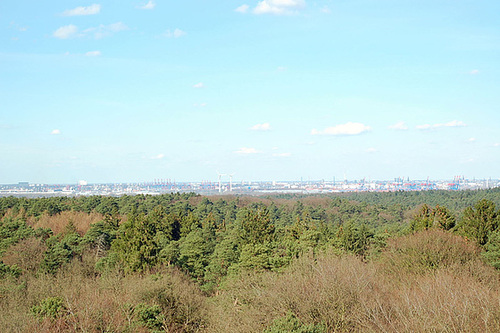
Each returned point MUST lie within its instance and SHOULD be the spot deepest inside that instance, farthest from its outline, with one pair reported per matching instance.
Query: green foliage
(13, 230)
(136, 245)
(443, 218)
(195, 251)
(226, 253)
(149, 316)
(60, 251)
(51, 307)
(255, 225)
(492, 253)
(428, 217)
(12, 271)
(170, 253)
(100, 235)
(479, 221)
(216, 242)
(255, 257)
(355, 238)
(290, 323)
(423, 220)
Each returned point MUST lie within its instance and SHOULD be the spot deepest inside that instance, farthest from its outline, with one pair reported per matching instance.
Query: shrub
(9, 271)
(427, 250)
(290, 323)
(149, 316)
(51, 307)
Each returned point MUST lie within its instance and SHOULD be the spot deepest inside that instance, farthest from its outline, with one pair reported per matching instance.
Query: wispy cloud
(278, 7)
(246, 151)
(55, 132)
(93, 53)
(400, 125)
(176, 33)
(472, 140)
(325, 10)
(199, 85)
(372, 150)
(496, 144)
(282, 154)
(78, 11)
(453, 123)
(261, 127)
(15, 26)
(474, 72)
(349, 128)
(150, 5)
(242, 9)
(102, 30)
(158, 157)
(65, 32)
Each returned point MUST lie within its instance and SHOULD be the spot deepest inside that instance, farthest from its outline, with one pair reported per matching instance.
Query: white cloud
(106, 30)
(158, 157)
(150, 5)
(68, 31)
(349, 128)
(198, 85)
(78, 11)
(423, 127)
(278, 7)
(399, 126)
(174, 34)
(55, 132)
(261, 127)
(474, 72)
(453, 123)
(93, 53)
(242, 9)
(281, 69)
(372, 150)
(472, 139)
(326, 10)
(116, 27)
(496, 144)
(246, 151)
(282, 154)
(201, 105)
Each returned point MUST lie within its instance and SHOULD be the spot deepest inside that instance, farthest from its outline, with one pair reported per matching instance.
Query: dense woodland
(370, 262)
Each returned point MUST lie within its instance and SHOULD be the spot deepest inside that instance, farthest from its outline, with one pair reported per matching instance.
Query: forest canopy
(185, 262)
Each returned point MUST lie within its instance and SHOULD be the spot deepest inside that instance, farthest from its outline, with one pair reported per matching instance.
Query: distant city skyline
(118, 92)
(221, 187)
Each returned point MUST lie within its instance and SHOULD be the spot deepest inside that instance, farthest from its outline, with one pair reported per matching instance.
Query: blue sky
(129, 91)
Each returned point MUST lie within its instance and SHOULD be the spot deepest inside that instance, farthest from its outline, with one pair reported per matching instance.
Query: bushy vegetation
(188, 263)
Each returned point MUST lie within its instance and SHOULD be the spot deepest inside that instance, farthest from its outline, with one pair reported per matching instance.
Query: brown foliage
(58, 223)
(101, 303)
(456, 293)
(428, 249)
(27, 254)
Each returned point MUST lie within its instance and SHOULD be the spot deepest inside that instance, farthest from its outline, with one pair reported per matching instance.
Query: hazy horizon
(115, 92)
